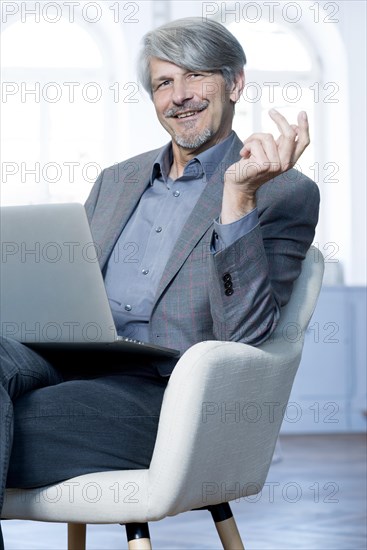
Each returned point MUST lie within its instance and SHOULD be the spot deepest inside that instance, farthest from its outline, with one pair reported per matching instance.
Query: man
(201, 239)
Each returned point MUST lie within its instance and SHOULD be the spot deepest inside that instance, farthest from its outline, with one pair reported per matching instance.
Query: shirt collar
(203, 164)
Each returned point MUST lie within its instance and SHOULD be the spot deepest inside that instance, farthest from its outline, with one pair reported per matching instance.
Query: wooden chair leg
(76, 536)
(226, 526)
(138, 536)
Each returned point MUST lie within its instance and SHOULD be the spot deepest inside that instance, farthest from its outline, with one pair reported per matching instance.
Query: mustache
(189, 106)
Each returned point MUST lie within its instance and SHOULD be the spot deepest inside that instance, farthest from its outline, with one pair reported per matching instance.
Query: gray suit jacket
(191, 303)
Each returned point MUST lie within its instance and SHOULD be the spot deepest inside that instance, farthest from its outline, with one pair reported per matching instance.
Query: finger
(258, 160)
(280, 120)
(303, 135)
(295, 128)
(293, 139)
(259, 136)
(245, 152)
(286, 131)
(254, 148)
(268, 144)
(299, 134)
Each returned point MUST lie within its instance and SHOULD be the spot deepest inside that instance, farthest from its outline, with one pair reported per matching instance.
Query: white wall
(353, 31)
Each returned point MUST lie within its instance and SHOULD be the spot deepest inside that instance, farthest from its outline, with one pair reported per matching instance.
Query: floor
(314, 498)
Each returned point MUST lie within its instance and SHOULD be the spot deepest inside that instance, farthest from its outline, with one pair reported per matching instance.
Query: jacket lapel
(201, 218)
(130, 186)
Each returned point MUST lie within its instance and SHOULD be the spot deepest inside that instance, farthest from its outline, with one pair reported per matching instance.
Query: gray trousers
(56, 424)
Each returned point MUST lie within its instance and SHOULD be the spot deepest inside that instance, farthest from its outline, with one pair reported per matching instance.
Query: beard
(193, 141)
(189, 138)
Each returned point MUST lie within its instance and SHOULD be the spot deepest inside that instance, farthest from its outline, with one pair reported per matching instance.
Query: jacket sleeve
(253, 278)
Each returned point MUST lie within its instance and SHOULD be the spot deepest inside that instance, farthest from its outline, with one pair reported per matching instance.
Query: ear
(238, 85)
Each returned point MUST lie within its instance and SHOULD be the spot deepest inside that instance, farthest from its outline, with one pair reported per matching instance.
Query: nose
(181, 91)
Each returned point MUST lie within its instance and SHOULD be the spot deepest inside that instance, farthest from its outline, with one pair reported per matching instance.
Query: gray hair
(195, 44)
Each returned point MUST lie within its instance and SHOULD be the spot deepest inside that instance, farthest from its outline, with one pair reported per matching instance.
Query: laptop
(52, 294)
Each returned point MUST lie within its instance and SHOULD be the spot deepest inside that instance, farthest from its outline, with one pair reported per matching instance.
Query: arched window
(54, 111)
(280, 73)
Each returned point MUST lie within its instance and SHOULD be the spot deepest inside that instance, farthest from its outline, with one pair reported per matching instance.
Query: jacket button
(229, 291)
(227, 277)
(228, 284)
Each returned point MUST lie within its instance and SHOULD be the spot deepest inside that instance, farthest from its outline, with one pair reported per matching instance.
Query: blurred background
(71, 105)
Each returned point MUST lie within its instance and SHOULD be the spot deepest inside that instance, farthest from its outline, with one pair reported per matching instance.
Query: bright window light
(269, 47)
(64, 44)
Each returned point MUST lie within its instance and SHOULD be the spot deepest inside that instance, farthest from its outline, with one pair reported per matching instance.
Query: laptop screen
(51, 286)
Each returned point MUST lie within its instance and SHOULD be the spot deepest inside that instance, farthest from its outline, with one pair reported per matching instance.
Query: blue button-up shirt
(138, 260)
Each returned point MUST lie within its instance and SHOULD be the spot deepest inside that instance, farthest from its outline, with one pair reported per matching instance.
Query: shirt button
(145, 271)
(158, 229)
(176, 193)
(128, 307)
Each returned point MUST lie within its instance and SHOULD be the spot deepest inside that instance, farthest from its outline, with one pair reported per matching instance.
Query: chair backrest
(305, 293)
(206, 433)
(296, 315)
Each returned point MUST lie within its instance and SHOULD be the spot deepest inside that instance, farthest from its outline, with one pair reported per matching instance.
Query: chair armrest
(219, 423)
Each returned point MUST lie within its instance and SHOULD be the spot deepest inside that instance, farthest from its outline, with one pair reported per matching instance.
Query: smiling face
(194, 107)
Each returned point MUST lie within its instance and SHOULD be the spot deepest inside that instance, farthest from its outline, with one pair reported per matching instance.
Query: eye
(163, 84)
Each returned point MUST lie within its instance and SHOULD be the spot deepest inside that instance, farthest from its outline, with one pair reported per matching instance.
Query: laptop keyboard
(125, 339)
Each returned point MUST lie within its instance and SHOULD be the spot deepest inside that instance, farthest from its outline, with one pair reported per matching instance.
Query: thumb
(245, 152)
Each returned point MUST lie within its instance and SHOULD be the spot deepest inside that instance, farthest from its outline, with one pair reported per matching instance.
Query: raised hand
(263, 158)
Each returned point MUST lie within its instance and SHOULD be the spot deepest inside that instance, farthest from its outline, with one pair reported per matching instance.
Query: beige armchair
(219, 424)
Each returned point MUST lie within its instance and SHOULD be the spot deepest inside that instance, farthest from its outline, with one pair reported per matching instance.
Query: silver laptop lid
(51, 286)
